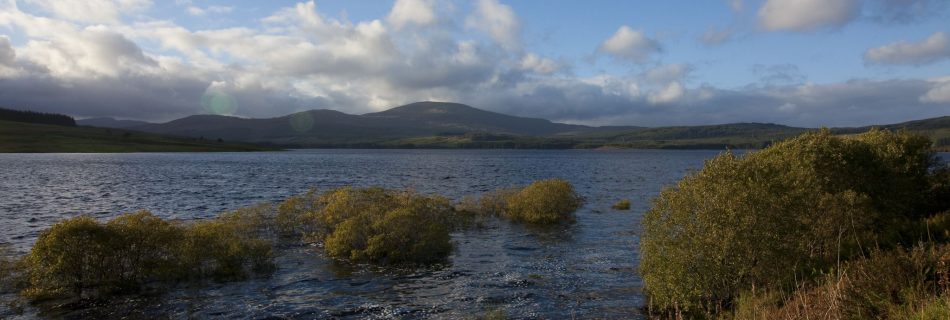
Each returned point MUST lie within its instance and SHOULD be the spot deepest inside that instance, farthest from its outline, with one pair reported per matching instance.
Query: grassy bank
(820, 226)
(30, 137)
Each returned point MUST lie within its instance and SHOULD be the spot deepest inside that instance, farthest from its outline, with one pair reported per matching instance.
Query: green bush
(82, 257)
(543, 202)
(223, 251)
(383, 226)
(142, 247)
(72, 257)
(778, 214)
(622, 205)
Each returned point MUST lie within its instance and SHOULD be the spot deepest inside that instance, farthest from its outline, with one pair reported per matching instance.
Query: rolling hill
(35, 137)
(454, 125)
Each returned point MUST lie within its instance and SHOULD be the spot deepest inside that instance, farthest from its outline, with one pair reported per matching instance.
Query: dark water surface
(584, 270)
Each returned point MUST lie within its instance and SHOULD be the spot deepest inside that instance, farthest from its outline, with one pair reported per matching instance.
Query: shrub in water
(622, 205)
(385, 226)
(83, 257)
(762, 219)
(71, 257)
(223, 250)
(144, 247)
(543, 202)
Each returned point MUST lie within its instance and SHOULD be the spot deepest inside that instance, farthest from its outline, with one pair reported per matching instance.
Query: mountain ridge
(430, 124)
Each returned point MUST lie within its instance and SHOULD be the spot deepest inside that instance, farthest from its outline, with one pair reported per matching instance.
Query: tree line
(36, 117)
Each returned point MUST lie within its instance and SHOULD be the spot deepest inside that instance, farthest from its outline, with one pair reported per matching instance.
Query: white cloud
(406, 12)
(499, 21)
(935, 48)
(92, 11)
(714, 36)
(673, 92)
(807, 15)
(629, 44)
(666, 73)
(198, 11)
(939, 94)
(534, 63)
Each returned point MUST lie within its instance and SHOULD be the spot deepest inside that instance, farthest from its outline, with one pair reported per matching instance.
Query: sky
(804, 63)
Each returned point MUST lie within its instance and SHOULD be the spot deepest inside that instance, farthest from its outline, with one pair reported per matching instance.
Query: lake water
(583, 270)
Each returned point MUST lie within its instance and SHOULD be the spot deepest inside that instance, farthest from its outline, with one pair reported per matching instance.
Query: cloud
(537, 64)
(499, 21)
(7, 53)
(92, 11)
(807, 15)
(629, 44)
(411, 12)
(671, 93)
(736, 5)
(778, 75)
(714, 36)
(666, 73)
(935, 48)
(939, 94)
(198, 11)
(904, 11)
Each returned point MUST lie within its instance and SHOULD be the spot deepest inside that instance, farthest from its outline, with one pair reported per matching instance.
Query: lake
(583, 270)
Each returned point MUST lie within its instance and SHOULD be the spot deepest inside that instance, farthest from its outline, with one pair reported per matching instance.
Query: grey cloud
(778, 75)
(853, 103)
(905, 11)
(7, 53)
(714, 36)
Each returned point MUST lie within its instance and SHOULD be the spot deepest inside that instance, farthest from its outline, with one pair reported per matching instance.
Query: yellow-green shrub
(294, 215)
(783, 212)
(543, 202)
(622, 205)
(143, 247)
(384, 226)
(83, 257)
(72, 257)
(223, 250)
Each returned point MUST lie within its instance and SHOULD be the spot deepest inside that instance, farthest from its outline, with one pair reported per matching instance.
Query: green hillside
(445, 125)
(30, 137)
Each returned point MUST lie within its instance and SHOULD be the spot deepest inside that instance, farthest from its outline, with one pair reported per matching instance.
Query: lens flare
(218, 102)
(301, 122)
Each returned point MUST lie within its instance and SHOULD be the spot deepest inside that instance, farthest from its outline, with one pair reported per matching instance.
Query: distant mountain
(456, 117)
(328, 127)
(106, 122)
(454, 125)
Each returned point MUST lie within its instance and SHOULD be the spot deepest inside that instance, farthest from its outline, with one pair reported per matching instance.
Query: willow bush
(782, 213)
(375, 225)
(549, 201)
(544, 202)
(82, 257)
